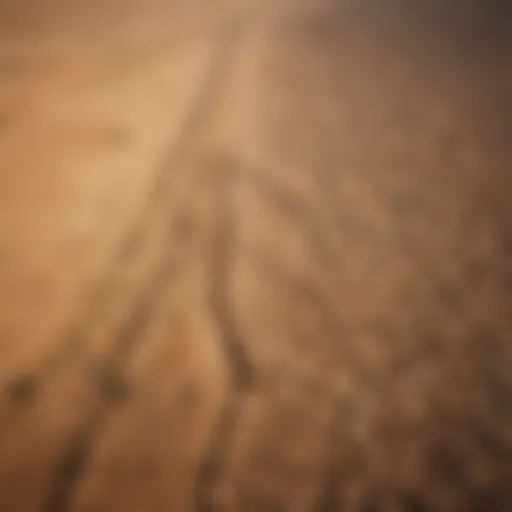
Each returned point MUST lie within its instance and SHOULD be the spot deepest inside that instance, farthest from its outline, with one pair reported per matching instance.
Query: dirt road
(255, 256)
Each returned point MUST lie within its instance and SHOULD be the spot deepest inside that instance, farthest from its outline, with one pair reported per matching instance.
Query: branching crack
(71, 464)
(242, 371)
(134, 239)
(73, 460)
(75, 457)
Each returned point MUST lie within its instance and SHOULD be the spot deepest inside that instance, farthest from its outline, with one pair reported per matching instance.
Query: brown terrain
(255, 256)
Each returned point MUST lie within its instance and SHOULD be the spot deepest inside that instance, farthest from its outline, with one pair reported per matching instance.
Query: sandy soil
(255, 256)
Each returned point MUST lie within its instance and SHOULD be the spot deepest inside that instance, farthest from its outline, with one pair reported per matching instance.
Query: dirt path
(254, 256)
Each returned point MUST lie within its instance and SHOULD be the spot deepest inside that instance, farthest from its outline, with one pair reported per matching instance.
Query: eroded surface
(255, 256)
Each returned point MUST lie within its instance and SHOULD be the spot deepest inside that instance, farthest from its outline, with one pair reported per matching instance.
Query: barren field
(255, 256)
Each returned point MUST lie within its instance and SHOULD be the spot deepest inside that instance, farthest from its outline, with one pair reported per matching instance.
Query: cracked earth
(255, 256)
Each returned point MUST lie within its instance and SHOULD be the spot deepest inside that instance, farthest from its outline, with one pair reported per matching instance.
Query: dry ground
(255, 256)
